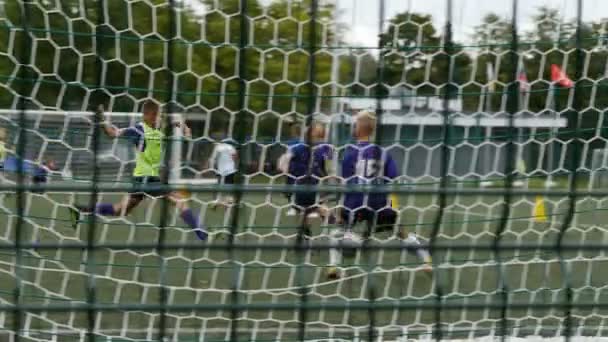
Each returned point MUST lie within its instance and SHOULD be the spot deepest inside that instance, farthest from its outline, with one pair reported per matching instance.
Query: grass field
(269, 276)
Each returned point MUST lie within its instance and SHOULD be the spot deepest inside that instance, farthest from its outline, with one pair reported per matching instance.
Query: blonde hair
(317, 131)
(150, 106)
(366, 122)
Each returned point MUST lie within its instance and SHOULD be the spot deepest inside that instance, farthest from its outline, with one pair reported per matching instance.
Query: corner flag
(491, 77)
(524, 85)
(540, 213)
(559, 76)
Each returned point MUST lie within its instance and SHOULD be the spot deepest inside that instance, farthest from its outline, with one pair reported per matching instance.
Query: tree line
(78, 53)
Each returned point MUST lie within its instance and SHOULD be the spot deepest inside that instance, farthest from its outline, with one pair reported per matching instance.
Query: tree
(494, 65)
(64, 59)
(7, 64)
(418, 59)
(205, 55)
(493, 33)
(550, 28)
(278, 61)
(551, 39)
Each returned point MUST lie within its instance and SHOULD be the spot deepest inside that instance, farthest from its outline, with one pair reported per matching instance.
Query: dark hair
(150, 106)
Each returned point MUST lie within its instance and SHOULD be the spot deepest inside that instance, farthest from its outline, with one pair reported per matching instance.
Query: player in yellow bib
(2, 146)
(147, 138)
(2, 153)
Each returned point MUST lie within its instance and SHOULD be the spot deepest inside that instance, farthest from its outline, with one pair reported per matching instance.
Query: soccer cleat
(292, 212)
(74, 217)
(333, 273)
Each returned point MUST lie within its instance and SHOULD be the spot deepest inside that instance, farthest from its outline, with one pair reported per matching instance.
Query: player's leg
(228, 180)
(221, 197)
(106, 209)
(292, 211)
(306, 203)
(347, 220)
(413, 244)
(387, 221)
(326, 214)
(39, 180)
(113, 209)
(128, 204)
(335, 255)
(217, 195)
(313, 214)
(188, 215)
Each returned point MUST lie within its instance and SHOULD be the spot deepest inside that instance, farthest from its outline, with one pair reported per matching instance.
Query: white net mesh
(73, 55)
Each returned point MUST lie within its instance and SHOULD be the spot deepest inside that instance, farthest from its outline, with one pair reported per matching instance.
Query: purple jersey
(298, 165)
(135, 135)
(366, 163)
(291, 143)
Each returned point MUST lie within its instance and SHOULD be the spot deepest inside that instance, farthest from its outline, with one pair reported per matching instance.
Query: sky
(362, 16)
(466, 14)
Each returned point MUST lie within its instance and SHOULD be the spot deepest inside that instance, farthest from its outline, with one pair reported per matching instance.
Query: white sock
(334, 253)
(422, 253)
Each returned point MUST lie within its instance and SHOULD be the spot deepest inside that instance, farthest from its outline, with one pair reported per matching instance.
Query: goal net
(493, 116)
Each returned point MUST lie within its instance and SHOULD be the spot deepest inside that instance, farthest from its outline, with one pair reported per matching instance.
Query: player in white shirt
(223, 160)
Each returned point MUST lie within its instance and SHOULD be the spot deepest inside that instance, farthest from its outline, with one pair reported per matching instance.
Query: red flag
(559, 76)
(524, 85)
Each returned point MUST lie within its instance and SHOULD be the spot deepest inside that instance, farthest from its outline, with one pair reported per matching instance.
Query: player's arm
(285, 161)
(186, 130)
(132, 133)
(109, 129)
(212, 158)
(331, 167)
(390, 168)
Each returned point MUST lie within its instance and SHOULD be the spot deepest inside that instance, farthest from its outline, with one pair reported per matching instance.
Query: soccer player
(367, 163)
(294, 131)
(147, 138)
(320, 167)
(223, 160)
(40, 173)
(2, 147)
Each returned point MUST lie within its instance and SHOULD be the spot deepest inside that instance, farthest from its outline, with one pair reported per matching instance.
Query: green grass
(265, 276)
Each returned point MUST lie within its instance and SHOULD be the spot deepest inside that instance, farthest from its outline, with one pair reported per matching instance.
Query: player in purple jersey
(294, 140)
(367, 163)
(298, 163)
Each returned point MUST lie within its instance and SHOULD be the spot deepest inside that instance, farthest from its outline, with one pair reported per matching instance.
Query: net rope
(502, 171)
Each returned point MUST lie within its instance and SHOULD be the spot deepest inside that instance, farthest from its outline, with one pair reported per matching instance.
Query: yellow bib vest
(147, 162)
